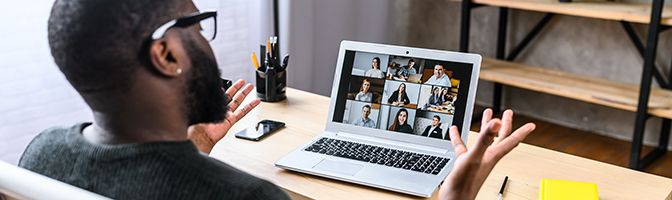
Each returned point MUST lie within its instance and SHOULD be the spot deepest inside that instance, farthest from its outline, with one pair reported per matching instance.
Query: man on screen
(365, 121)
(439, 77)
(434, 130)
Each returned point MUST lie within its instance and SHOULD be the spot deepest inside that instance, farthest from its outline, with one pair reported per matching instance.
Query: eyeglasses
(207, 21)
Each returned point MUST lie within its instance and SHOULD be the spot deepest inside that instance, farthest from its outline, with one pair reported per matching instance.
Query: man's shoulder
(47, 141)
(50, 145)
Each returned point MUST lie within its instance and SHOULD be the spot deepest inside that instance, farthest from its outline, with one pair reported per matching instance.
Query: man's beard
(204, 99)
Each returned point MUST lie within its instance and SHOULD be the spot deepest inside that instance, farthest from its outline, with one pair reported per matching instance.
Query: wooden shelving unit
(642, 99)
(573, 86)
(617, 11)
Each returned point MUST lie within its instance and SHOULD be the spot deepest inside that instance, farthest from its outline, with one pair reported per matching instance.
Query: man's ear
(163, 56)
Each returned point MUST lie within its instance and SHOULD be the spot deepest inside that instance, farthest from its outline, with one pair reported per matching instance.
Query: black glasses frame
(186, 21)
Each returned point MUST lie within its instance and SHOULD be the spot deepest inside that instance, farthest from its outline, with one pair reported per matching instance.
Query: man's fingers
(238, 114)
(507, 144)
(456, 140)
(507, 123)
(487, 116)
(486, 137)
(240, 97)
(234, 88)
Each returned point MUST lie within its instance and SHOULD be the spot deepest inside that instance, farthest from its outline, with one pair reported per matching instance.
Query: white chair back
(19, 183)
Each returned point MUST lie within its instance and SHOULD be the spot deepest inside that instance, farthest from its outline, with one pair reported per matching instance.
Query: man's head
(411, 63)
(105, 50)
(366, 111)
(438, 71)
(436, 120)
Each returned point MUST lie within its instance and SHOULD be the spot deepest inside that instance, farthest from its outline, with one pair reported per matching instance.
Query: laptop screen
(403, 94)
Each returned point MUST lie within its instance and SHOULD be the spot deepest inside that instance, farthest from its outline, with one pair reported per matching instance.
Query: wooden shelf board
(619, 11)
(583, 88)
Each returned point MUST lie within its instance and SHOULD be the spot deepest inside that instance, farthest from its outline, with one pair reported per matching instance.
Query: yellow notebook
(550, 189)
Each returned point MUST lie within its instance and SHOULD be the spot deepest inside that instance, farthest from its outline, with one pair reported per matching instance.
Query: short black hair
(437, 117)
(366, 106)
(99, 44)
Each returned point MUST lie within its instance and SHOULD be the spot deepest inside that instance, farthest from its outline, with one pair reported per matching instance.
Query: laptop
(395, 142)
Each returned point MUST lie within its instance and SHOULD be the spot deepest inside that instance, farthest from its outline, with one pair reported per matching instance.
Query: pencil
(268, 46)
(255, 61)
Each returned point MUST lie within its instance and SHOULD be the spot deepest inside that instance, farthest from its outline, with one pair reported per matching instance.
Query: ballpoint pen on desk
(501, 190)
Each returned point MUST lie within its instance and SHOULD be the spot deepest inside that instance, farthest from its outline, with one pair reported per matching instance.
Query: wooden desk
(305, 114)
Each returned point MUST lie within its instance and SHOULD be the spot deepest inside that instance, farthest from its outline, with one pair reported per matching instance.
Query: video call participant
(392, 70)
(435, 97)
(445, 97)
(407, 70)
(375, 71)
(365, 121)
(364, 93)
(434, 130)
(439, 77)
(399, 96)
(400, 124)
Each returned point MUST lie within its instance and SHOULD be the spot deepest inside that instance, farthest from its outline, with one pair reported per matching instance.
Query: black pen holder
(271, 85)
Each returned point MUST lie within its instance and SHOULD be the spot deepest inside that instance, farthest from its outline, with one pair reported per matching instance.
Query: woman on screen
(364, 93)
(435, 97)
(400, 124)
(445, 97)
(392, 70)
(375, 71)
(399, 97)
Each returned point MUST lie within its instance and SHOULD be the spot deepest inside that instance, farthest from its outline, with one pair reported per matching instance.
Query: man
(439, 77)
(434, 130)
(365, 121)
(152, 85)
(147, 82)
(408, 69)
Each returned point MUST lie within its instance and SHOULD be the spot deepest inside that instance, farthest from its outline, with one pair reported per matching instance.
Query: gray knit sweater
(157, 170)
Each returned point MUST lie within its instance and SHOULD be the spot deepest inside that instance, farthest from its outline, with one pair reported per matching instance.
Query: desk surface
(305, 114)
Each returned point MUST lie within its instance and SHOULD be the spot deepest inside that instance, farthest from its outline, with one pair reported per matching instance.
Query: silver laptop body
(384, 149)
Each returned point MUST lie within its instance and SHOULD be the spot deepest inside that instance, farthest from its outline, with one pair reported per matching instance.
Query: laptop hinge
(391, 142)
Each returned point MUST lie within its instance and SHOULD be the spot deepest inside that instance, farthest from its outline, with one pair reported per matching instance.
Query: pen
(262, 57)
(254, 61)
(268, 46)
(285, 62)
(501, 190)
(276, 52)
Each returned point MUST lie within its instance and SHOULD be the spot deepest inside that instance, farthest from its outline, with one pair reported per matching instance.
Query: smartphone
(261, 130)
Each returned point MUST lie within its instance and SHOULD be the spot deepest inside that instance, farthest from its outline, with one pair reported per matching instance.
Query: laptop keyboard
(383, 156)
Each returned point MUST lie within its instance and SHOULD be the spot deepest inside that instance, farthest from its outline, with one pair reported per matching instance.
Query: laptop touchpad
(344, 168)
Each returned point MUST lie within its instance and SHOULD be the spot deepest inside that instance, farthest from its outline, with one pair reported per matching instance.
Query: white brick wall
(34, 95)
